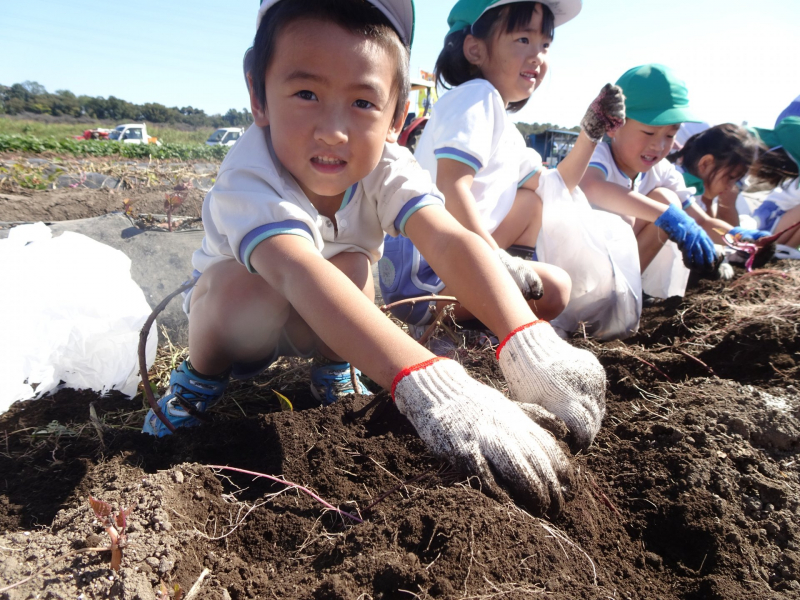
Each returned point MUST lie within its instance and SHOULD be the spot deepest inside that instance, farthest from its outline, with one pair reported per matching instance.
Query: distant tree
(155, 112)
(65, 103)
(235, 118)
(34, 88)
(31, 96)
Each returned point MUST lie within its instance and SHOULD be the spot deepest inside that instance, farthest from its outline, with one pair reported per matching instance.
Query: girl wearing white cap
(494, 57)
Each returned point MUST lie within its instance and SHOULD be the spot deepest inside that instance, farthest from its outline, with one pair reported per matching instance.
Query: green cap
(786, 135)
(466, 12)
(655, 96)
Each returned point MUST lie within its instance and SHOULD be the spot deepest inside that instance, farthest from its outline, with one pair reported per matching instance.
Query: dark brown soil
(691, 490)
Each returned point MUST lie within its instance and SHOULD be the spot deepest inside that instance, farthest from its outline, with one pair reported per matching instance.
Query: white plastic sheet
(71, 313)
(666, 275)
(598, 250)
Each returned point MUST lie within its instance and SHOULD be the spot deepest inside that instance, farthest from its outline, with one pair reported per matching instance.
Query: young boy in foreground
(296, 218)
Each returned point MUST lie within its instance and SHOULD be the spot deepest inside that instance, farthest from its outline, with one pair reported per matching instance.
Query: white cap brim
(563, 10)
(400, 14)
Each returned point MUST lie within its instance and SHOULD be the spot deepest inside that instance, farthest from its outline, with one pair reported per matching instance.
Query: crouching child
(296, 219)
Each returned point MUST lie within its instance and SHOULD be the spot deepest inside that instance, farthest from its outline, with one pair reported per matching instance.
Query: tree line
(32, 97)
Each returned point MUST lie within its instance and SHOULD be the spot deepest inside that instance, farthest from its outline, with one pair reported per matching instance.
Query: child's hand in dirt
(749, 234)
(606, 113)
(695, 245)
(523, 274)
(480, 431)
(543, 369)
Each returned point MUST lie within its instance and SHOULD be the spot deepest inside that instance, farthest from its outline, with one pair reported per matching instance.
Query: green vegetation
(32, 97)
(34, 145)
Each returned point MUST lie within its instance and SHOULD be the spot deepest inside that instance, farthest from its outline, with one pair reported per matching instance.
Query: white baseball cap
(399, 12)
(466, 12)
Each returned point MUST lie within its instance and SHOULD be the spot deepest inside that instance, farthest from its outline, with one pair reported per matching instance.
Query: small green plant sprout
(175, 198)
(286, 404)
(115, 526)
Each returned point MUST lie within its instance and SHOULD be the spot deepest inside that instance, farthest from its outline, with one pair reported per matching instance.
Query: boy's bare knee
(664, 195)
(357, 268)
(227, 293)
(557, 289)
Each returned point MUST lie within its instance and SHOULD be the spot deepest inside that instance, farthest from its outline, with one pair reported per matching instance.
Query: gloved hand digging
(606, 113)
(749, 234)
(697, 248)
(523, 274)
(480, 431)
(543, 369)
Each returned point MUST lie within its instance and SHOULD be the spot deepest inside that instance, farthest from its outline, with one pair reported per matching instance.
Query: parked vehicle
(132, 133)
(94, 134)
(552, 145)
(225, 136)
(414, 124)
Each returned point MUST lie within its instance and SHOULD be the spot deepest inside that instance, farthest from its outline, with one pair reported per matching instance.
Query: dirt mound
(691, 490)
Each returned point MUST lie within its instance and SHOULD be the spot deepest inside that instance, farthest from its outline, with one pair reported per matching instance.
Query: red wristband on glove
(412, 368)
(513, 333)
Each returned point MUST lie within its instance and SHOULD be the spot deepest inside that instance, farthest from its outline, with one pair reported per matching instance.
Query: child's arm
(697, 248)
(616, 199)
(454, 179)
(605, 115)
(539, 366)
(713, 226)
(338, 312)
(461, 420)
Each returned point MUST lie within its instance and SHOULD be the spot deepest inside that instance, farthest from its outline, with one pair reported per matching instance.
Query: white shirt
(776, 204)
(255, 198)
(470, 124)
(662, 175)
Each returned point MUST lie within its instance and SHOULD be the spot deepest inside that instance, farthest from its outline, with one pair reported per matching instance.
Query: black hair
(732, 147)
(358, 17)
(452, 67)
(774, 167)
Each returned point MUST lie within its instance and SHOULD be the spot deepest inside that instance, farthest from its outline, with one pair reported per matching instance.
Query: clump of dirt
(691, 490)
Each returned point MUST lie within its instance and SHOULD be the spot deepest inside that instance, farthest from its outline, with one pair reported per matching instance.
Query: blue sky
(739, 59)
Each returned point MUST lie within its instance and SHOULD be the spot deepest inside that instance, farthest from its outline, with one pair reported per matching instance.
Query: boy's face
(637, 147)
(515, 63)
(330, 106)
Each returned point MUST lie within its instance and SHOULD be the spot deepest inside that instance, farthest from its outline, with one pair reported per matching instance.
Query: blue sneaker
(331, 382)
(197, 395)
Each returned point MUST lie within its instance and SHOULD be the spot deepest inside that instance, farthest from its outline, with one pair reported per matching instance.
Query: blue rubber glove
(749, 234)
(697, 248)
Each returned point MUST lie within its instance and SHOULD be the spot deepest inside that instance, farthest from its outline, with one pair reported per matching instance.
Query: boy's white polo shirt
(662, 175)
(470, 124)
(255, 198)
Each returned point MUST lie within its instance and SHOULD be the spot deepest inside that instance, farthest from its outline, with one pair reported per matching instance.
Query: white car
(226, 136)
(132, 133)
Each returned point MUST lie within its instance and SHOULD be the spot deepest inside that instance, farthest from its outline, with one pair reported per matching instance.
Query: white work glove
(523, 274)
(605, 114)
(543, 369)
(480, 431)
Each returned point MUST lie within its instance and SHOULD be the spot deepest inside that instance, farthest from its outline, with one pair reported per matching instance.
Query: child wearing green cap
(630, 177)
(295, 220)
(779, 165)
(494, 57)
